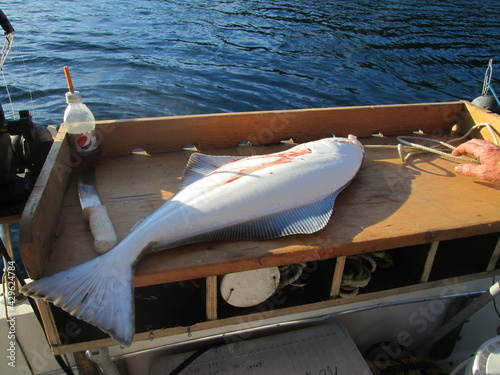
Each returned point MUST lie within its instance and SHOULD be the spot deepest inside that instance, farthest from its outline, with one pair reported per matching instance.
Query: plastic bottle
(80, 125)
(79, 122)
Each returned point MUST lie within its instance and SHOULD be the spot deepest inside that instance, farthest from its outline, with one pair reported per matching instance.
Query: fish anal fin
(306, 219)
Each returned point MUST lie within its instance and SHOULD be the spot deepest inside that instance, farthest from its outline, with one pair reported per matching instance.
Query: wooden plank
(429, 261)
(337, 277)
(388, 205)
(211, 297)
(41, 213)
(10, 219)
(49, 325)
(156, 135)
(494, 257)
(7, 240)
(476, 115)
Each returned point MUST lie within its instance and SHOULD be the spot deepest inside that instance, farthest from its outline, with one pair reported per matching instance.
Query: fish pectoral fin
(305, 219)
(96, 292)
(200, 165)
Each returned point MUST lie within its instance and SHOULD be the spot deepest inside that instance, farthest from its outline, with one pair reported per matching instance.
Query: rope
(7, 46)
(441, 148)
(290, 273)
(358, 271)
(8, 93)
(494, 94)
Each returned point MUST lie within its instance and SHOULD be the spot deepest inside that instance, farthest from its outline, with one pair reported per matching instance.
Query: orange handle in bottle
(68, 79)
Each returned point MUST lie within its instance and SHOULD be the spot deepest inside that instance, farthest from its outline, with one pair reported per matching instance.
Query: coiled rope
(408, 145)
(358, 271)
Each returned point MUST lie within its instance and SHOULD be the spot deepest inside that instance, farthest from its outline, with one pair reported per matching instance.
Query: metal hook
(487, 77)
(226, 300)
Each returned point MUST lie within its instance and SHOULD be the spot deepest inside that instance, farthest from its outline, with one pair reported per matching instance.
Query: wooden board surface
(223, 130)
(388, 205)
(40, 218)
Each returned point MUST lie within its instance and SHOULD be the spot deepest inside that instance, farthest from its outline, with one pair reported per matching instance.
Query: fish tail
(99, 292)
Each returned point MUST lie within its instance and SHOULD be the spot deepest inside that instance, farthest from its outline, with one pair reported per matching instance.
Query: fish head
(354, 140)
(332, 143)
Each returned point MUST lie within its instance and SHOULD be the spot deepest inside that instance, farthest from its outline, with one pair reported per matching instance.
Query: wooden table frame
(389, 205)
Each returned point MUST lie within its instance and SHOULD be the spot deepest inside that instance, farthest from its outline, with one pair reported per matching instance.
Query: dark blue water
(144, 58)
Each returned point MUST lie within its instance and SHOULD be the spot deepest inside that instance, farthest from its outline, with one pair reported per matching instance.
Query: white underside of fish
(220, 198)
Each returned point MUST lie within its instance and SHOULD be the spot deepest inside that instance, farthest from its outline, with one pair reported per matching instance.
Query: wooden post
(494, 257)
(337, 277)
(429, 262)
(211, 296)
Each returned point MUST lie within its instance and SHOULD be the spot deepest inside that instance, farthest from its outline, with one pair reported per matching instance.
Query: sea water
(145, 58)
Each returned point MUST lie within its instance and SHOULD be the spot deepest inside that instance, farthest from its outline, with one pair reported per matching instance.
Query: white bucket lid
(249, 288)
(487, 359)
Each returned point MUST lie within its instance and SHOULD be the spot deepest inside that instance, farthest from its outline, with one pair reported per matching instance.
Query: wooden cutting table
(389, 205)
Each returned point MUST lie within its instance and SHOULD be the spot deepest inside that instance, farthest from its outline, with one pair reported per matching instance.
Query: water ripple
(144, 58)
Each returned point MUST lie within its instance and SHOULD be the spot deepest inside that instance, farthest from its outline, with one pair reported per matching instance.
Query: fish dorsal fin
(200, 165)
(305, 219)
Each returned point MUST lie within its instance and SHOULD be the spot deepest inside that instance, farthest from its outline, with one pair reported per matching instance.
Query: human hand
(487, 153)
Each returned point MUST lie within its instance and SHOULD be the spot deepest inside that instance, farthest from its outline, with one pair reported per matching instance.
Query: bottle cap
(73, 97)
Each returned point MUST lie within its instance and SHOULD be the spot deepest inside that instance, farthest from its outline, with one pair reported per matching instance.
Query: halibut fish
(219, 198)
